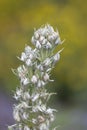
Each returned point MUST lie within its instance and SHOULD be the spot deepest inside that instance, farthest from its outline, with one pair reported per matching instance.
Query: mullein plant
(31, 112)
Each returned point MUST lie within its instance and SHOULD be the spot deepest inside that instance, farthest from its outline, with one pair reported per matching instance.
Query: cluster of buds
(31, 111)
(46, 37)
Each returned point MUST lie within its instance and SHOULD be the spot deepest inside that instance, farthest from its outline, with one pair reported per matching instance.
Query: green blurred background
(18, 18)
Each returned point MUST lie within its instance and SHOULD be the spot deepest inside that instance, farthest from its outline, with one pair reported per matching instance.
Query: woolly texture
(31, 111)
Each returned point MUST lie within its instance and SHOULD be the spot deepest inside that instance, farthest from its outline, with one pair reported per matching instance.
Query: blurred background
(18, 18)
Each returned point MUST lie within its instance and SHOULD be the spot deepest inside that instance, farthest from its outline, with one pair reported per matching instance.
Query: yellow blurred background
(18, 18)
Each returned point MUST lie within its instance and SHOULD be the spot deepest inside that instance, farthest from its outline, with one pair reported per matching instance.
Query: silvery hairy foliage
(31, 112)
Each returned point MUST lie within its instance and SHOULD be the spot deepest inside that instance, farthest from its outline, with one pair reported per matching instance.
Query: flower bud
(41, 119)
(44, 41)
(41, 38)
(23, 56)
(47, 62)
(28, 49)
(26, 96)
(40, 67)
(38, 45)
(56, 57)
(24, 105)
(39, 84)
(46, 77)
(25, 81)
(16, 115)
(33, 40)
(34, 79)
(31, 56)
(26, 128)
(36, 35)
(48, 45)
(50, 38)
(58, 41)
(35, 97)
(25, 115)
(28, 62)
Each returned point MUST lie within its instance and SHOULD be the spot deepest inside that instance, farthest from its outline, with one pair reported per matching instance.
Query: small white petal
(26, 128)
(39, 84)
(47, 62)
(46, 77)
(25, 81)
(56, 57)
(41, 38)
(42, 83)
(48, 45)
(28, 49)
(38, 45)
(33, 40)
(40, 67)
(26, 96)
(16, 115)
(44, 41)
(23, 56)
(25, 115)
(43, 126)
(35, 97)
(31, 56)
(36, 35)
(34, 79)
(34, 121)
(41, 119)
(50, 38)
(28, 62)
(24, 105)
(58, 41)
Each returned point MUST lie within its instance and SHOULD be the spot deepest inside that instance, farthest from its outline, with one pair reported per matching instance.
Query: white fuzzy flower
(35, 97)
(31, 56)
(43, 126)
(41, 119)
(34, 121)
(22, 71)
(41, 108)
(16, 115)
(33, 40)
(23, 56)
(25, 81)
(38, 45)
(25, 115)
(18, 92)
(12, 127)
(36, 35)
(49, 111)
(28, 49)
(41, 38)
(48, 45)
(40, 83)
(47, 62)
(44, 41)
(24, 105)
(46, 77)
(26, 96)
(40, 67)
(28, 62)
(57, 41)
(56, 57)
(26, 128)
(34, 79)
